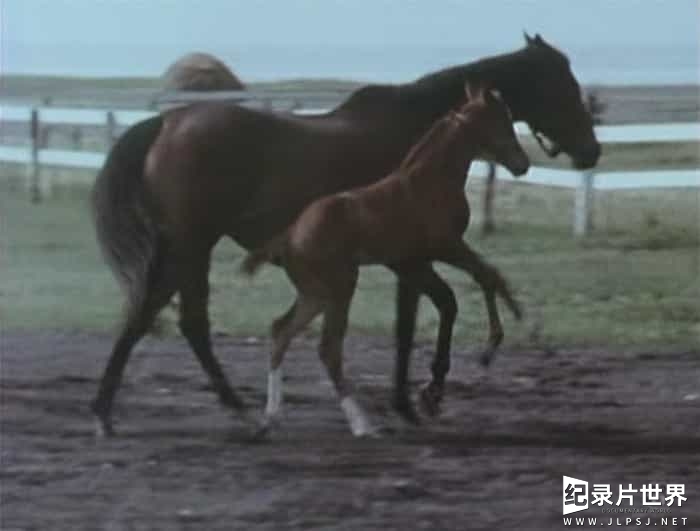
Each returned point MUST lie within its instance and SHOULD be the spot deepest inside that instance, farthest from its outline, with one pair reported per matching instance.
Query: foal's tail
(125, 228)
(272, 252)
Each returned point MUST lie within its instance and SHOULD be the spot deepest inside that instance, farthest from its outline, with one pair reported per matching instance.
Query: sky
(135, 37)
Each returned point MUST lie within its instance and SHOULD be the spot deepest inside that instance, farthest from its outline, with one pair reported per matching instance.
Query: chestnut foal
(414, 216)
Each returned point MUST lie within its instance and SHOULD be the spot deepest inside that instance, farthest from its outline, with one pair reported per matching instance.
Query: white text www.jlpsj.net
(645, 521)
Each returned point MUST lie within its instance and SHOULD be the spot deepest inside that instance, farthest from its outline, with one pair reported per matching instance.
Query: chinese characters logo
(576, 495)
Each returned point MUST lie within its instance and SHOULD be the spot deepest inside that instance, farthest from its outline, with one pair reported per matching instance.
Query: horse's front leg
(426, 281)
(406, 312)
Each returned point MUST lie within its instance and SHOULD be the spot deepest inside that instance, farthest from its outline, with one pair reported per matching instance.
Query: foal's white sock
(359, 425)
(274, 392)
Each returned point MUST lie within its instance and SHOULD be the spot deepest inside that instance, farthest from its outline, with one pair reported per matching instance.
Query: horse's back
(192, 173)
(215, 163)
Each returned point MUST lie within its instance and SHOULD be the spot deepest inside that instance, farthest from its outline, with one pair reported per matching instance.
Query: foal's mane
(431, 143)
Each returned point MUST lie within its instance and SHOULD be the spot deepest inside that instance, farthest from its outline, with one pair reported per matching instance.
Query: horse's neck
(434, 94)
(396, 116)
(507, 73)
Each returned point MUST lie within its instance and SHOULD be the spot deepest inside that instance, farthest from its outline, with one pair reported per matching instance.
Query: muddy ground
(493, 460)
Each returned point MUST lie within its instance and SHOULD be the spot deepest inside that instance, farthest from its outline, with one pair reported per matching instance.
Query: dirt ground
(493, 460)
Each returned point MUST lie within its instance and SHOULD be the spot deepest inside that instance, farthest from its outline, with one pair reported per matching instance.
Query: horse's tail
(272, 251)
(126, 232)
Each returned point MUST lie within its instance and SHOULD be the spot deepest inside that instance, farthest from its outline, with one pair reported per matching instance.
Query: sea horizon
(593, 65)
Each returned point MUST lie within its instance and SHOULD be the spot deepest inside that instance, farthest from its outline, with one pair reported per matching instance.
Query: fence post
(34, 184)
(583, 205)
(111, 129)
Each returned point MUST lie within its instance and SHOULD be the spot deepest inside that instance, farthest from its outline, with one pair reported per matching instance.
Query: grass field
(625, 104)
(635, 282)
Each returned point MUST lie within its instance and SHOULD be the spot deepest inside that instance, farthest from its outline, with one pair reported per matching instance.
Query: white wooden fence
(316, 102)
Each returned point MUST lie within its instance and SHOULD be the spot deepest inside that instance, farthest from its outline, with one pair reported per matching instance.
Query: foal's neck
(447, 164)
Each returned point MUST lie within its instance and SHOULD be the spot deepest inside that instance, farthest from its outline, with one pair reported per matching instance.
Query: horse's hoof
(486, 358)
(261, 432)
(103, 428)
(406, 410)
(430, 398)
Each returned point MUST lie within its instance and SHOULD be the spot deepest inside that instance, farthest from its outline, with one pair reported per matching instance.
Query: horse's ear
(473, 91)
(538, 39)
(528, 39)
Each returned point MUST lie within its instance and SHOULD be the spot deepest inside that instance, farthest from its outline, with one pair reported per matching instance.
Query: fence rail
(116, 117)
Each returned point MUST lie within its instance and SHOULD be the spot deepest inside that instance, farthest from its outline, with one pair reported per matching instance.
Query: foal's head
(487, 120)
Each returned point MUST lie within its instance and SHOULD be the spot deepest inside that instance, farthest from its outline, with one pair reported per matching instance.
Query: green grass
(634, 283)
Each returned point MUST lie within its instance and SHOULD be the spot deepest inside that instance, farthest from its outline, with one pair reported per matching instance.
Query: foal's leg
(194, 323)
(442, 296)
(492, 283)
(138, 321)
(423, 279)
(335, 323)
(284, 329)
(338, 283)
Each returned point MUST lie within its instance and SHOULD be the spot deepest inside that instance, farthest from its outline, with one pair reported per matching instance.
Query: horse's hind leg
(284, 330)
(140, 316)
(193, 282)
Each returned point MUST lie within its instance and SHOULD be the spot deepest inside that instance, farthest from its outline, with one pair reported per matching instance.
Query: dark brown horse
(415, 215)
(173, 185)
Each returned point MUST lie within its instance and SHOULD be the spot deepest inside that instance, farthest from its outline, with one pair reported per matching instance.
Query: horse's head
(549, 99)
(493, 136)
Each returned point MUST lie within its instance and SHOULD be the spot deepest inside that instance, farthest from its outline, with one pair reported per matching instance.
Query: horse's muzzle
(587, 158)
(519, 166)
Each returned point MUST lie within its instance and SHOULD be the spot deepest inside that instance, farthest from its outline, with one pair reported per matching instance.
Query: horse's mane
(450, 80)
(369, 97)
(379, 98)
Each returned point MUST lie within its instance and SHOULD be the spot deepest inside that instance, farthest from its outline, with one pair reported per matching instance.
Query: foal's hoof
(431, 397)
(258, 428)
(369, 432)
(103, 427)
(517, 310)
(404, 407)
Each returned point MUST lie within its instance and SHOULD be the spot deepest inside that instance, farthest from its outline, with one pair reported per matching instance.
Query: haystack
(200, 71)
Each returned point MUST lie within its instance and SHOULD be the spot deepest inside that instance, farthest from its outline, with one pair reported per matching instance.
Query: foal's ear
(473, 91)
(493, 95)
